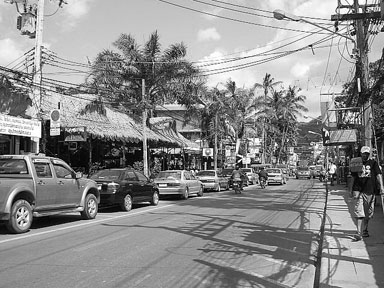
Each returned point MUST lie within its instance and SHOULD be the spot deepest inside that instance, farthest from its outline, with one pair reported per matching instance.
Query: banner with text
(11, 125)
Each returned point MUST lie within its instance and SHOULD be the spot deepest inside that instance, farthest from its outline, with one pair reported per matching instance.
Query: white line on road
(91, 222)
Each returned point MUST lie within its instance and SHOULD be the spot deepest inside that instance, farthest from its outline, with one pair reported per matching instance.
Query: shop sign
(77, 134)
(10, 125)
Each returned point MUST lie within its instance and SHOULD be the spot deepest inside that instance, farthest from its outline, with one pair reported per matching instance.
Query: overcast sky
(241, 35)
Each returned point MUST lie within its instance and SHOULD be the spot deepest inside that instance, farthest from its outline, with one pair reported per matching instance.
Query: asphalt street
(260, 238)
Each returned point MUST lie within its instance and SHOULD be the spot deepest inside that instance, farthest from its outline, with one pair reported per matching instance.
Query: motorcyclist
(237, 176)
(263, 175)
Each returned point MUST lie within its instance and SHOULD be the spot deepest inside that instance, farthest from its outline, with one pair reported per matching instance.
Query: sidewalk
(346, 263)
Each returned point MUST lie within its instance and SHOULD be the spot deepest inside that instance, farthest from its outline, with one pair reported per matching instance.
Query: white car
(178, 182)
(212, 180)
(253, 178)
(275, 176)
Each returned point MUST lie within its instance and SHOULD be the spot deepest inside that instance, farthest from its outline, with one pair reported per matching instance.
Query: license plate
(162, 185)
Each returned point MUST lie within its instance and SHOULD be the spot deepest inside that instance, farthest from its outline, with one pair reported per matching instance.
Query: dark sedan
(124, 187)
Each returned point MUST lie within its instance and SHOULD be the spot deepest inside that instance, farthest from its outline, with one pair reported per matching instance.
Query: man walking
(364, 183)
(332, 172)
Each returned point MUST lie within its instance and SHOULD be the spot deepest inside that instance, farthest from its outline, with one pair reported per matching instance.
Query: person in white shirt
(332, 172)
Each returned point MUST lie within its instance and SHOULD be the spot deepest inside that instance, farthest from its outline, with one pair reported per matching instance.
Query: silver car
(212, 180)
(178, 182)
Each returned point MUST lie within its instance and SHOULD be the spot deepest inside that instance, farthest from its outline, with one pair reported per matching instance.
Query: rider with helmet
(263, 175)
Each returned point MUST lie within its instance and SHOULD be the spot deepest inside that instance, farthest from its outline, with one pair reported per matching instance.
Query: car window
(107, 174)
(169, 174)
(273, 171)
(43, 170)
(62, 172)
(187, 176)
(206, 173)
(302, 168)
(13, 166)
(141, 177)
(130, 176)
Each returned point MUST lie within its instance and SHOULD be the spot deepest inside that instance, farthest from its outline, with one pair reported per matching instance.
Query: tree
(169, 77)
(268, 85)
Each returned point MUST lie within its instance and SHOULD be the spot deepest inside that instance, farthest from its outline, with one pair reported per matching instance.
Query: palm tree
(289, 106)
(268, 85)
(117, 75)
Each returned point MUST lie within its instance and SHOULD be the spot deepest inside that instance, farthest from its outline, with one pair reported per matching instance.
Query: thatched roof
(108, 124)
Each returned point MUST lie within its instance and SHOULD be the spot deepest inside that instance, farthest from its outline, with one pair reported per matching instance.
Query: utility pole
(145, 146)
(361, 23)
(36, 94)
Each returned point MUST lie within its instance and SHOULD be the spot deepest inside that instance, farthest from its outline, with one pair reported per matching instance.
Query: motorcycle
(237, 186)
(263, 183)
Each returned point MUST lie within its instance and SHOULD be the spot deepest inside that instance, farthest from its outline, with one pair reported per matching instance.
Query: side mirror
(79, 175)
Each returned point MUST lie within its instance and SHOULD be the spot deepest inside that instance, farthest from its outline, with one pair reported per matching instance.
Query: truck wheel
(21, 217)
(126, 204)
(90, 207)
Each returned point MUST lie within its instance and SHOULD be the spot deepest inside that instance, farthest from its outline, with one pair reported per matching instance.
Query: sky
(228, 39)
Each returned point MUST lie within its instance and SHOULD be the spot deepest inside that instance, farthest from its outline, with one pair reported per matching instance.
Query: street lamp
(280, 15)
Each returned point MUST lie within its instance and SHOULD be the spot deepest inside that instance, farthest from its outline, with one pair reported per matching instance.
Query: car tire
(201, 191)
(21, 217)
(126, 204)
(155, 199)
(185, 194)
(90, 207)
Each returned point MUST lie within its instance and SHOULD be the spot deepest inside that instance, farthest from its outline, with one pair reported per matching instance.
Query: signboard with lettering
(74, 134)
(10, 125)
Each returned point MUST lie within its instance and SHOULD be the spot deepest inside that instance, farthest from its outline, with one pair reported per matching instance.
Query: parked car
(35, 185)
(275, 175)
(178, 182)
(303, 172)
(212, 180)
(227, 172)
(253, 178)
(125, 187)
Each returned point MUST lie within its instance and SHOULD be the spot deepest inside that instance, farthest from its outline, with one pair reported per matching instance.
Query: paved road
(261, 238)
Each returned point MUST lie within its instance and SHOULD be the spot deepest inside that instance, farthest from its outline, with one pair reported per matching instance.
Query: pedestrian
(364, 183)
(332, 171)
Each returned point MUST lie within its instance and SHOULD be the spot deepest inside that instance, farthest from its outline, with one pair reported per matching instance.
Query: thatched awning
(110, 125)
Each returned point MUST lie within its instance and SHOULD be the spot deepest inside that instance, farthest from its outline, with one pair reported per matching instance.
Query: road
(260, 238)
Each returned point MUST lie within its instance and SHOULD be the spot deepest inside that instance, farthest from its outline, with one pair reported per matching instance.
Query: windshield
(169, 174)
(302, 168)
(107, 174)
(273, 171)
(227, 171)
(206, 173)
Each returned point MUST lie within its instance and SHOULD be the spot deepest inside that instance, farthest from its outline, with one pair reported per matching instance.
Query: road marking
(91, 222)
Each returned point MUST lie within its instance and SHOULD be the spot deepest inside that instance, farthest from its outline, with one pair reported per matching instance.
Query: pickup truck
(35, 185)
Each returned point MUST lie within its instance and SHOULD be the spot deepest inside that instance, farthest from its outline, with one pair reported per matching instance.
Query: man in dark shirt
(363, 186)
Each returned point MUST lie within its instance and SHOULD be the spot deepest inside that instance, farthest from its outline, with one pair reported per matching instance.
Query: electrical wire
(235, 20)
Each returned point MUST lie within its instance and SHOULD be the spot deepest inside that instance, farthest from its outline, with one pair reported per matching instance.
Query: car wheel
(185, 194)
(201, 191)
(90, 207)
(21, 217)
(155, 199)
(126, 204)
